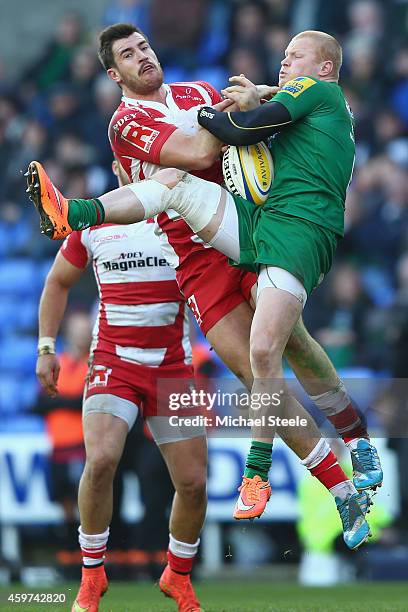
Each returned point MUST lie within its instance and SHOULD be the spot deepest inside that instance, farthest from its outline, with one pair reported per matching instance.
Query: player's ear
(327, 68)
(114, 75)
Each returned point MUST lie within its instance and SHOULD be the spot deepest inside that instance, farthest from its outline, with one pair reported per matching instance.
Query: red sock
(180, 565)
(329, 472)
(348, 424)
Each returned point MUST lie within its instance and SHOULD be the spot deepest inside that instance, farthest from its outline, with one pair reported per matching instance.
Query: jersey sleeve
(74, 251)
(137, 135)
(245, 128)
(300, 96)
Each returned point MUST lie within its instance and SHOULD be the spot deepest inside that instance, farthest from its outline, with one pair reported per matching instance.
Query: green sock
(259, 460)
(85, 213)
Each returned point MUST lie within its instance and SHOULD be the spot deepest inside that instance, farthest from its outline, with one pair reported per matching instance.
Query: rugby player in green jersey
(290, 241)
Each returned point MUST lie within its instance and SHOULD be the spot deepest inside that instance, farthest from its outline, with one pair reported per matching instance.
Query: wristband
(46, 346)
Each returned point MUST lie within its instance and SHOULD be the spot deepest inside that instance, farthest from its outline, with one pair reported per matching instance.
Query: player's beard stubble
(146, 83)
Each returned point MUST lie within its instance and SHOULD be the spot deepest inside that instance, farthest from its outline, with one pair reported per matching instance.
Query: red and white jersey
(142, 314)
(137, 133)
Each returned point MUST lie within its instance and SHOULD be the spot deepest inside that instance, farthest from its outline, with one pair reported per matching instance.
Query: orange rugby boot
(94, 585)
(179, 587)
(49, 202)
(254, 494)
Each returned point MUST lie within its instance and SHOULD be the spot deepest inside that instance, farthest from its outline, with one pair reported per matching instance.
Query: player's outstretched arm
(245, 128)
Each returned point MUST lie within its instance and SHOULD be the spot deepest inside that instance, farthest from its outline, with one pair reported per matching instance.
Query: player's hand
(47, 370)
(266, 92)
(243, 92)
(224, 105)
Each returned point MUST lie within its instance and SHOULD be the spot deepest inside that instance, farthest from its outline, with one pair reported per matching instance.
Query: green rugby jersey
(314, 157)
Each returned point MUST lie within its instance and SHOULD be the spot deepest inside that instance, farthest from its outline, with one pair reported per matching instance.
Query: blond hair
(328, 48)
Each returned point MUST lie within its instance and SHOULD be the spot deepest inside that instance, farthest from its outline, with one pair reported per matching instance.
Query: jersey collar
(170, 104)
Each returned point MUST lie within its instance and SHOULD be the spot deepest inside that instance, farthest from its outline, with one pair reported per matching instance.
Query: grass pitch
(244, 596)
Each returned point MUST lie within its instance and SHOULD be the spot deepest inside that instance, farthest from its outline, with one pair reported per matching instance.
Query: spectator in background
(63, 419)
(362, 70)
(366, 22)
(77, 160)
(34, 145)
(71, 152)
(391, 136)
(246, 60)
(380, 221)
(106, 97)
(249, 23)
(343, 315)
(64, 110)
(319, 15)
(276, 38)
(53, 63)
(83, 72)
(278, 12)
(177, 44)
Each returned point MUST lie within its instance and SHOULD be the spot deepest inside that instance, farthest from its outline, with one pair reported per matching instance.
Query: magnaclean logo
(134, 260)
(205, 113)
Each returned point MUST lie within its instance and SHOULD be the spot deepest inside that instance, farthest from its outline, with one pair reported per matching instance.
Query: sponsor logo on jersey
(122, 120)
(134, 260)
(297, 86)
(188, 96)
(98, 376)
(139, 136)
(205, 113)
(111, 238)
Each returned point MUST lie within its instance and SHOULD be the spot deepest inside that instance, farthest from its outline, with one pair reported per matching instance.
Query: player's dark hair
(108, 36)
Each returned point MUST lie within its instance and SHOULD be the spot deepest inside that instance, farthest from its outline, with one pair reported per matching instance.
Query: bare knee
(193, 486)
(169, 176)
(100, 469)
(265, 356)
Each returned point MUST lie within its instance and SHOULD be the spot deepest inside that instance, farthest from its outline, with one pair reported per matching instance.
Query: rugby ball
(248, 171)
